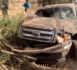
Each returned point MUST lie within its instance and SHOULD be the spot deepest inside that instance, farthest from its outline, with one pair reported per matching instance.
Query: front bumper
(60, 48)
(65, 48)
(56, 55)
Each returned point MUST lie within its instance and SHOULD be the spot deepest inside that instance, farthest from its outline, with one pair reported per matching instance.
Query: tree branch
(37, 51)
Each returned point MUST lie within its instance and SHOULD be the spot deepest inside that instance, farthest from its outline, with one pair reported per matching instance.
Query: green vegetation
(9, 27)
(8, 32)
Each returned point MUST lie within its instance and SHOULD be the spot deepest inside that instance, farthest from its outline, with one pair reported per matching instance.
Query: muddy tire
(73, 50)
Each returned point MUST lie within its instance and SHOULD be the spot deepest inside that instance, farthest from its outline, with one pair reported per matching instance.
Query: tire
(73, 50)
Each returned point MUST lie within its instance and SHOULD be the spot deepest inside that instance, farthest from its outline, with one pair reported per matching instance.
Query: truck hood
(51, 23)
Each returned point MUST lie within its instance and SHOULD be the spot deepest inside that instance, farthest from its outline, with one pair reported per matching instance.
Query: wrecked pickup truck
(50, 33)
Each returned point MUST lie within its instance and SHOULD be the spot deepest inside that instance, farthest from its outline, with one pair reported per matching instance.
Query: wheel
(73, 50)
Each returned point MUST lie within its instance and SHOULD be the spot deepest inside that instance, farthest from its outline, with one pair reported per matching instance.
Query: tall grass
(9, 27)
(8, 32)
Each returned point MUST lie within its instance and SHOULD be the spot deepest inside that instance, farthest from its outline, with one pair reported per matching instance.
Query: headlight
(67, 36)
(62, 38)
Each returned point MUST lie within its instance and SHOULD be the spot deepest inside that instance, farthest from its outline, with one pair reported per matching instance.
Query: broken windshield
(56, 12)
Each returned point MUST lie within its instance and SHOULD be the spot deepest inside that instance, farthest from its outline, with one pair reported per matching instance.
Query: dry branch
(52, 48)
(5, 67)
(8, 47)
(17, 59)
(20, 56)
(2, 29)
(34, 66)
(30, 65)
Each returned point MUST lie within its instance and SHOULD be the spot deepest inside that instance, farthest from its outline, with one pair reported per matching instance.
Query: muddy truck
(50, 35)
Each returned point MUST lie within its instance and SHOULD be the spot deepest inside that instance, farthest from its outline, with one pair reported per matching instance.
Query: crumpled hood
(52, 23)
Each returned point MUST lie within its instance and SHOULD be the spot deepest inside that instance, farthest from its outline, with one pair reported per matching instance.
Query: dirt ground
(15, 8)
(12, 11)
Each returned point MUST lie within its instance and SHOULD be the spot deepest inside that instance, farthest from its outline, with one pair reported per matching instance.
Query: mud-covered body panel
(52, 23)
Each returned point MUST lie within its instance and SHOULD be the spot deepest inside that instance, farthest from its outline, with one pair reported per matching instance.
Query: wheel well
(71, 51)
(74, 37)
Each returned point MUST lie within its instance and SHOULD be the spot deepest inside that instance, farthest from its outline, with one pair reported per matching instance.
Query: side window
(44, 12)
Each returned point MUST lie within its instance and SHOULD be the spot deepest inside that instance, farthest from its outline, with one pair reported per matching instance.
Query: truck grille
(38, 34)
(37, 29)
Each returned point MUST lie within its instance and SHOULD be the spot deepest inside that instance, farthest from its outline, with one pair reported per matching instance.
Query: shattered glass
(58, 12)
